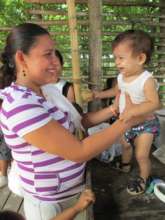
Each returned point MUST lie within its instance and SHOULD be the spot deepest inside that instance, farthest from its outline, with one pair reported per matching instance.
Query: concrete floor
(114, 203)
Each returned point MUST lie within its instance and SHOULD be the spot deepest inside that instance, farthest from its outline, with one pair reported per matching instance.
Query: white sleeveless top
(60, 85)
(135, 89)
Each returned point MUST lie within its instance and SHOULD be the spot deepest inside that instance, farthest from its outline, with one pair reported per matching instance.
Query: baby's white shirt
(135, 89)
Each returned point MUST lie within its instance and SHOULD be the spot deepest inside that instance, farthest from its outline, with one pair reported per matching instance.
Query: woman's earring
(24, 73)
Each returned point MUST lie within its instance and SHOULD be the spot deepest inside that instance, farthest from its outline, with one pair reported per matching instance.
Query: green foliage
(12, 12)
(114, 20)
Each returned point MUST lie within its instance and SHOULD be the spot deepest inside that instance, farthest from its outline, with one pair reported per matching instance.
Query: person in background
(5, 152)
(132, 51)
(50, 160)
(86, 198)
(108, 95)
(5, 160)
(65, 87)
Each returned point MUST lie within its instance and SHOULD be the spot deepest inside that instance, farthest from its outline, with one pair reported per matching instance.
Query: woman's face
(41, 62)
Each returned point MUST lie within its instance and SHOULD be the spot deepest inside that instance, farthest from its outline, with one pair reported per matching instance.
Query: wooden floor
(10, 201)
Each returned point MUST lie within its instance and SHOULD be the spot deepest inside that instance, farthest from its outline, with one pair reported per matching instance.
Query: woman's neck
(31, 86)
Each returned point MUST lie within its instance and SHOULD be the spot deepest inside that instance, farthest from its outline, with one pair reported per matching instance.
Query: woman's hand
(128, 115)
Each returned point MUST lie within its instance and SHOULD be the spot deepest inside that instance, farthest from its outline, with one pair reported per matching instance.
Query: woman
(49, 158)
(65, 87)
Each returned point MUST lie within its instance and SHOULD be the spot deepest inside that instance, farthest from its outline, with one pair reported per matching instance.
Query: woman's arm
(55, 139)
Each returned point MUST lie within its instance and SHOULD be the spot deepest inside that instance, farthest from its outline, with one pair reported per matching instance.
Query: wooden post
(162, 49)
(95, 47)
(74, 49)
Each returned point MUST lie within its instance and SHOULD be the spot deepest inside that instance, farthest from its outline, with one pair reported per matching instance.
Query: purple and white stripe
(47, 177)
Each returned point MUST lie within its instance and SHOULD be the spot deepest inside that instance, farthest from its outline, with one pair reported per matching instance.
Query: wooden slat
(86, 22)
(51, 12)
(10, 201)
(13, 203)
(21, 209)
(4, 195)
(108, 2)
(57, 22)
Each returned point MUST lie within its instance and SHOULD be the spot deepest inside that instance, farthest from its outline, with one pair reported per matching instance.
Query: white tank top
(135, 89)
(60, 85)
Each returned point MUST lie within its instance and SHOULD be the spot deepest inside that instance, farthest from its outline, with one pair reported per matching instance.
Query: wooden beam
(51, 12)
(107, 2)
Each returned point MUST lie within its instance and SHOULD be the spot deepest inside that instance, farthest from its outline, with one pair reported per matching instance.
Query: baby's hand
(86, 198)
(114, 109)
(87, 95)
(96, 94)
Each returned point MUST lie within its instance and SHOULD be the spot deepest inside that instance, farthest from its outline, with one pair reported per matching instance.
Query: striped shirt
(46, 176)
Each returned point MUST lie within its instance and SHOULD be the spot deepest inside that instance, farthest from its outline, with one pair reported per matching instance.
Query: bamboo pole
(161, 51)
(74, 49)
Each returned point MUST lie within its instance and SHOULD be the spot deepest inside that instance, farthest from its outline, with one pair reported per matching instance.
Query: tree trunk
(95, 47)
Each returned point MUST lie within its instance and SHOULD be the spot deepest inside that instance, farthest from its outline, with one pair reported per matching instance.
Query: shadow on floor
(114, 203)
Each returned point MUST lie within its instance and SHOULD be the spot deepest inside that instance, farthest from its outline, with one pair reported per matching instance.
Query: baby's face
(126, 62)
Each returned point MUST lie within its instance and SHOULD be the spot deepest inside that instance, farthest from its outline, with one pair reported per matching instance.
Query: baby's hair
(59, 56)
(23, 37)
(140, 42)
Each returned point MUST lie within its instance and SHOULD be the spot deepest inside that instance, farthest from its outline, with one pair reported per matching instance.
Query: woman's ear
(20, 59)
(142, 58)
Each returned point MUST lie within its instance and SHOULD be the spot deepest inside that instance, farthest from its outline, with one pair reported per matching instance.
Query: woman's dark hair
(22, 37)
(10, 215)
(140, 42)
(59, 56)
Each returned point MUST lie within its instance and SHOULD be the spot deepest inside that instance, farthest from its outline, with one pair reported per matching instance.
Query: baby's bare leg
(143, 145)
(126, 151)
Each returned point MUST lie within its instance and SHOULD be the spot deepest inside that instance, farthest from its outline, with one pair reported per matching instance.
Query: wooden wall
(116, 17)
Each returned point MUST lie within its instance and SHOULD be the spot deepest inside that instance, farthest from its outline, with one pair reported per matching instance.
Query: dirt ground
(114, 203)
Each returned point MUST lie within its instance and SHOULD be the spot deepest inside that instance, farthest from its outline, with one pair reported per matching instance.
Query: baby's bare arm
(87, 197)
(151, 104)
(106, 93)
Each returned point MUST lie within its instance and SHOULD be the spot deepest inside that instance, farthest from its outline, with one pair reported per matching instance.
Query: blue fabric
(150, 126)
